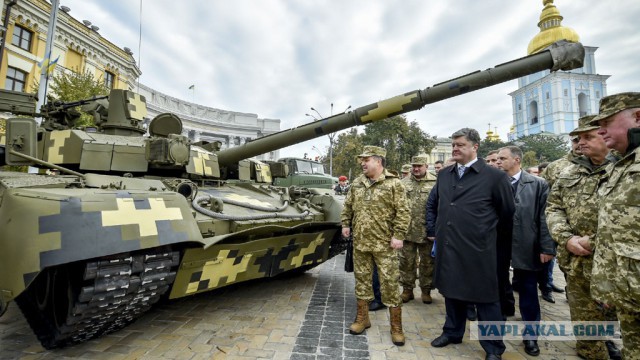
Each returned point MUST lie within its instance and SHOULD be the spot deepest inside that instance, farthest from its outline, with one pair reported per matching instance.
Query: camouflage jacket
(572, 209)
(376, 212)
(555, 168)
(616, 264)
(417, 193)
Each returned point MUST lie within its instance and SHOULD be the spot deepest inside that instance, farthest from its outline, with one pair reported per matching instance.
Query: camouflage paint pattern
(47, 226)
(616, 266)
(227, 263)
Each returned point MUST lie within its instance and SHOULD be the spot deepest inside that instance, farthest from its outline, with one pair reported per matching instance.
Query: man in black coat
(532, 245)
(475, 205)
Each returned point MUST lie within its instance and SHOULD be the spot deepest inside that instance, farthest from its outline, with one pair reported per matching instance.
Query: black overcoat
(472, 211)
(531, 235)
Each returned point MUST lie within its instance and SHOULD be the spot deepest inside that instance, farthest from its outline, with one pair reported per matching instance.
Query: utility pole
(44, 71)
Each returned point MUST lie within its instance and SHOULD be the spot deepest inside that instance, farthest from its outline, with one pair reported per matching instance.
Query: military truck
(304, 172)
(133, 217)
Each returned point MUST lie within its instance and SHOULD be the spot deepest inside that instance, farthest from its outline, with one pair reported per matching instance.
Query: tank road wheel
(76, 302)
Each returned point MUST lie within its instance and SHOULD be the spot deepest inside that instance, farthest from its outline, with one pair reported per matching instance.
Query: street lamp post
(330, 136)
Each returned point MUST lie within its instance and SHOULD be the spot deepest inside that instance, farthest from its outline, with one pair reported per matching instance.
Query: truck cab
(306, 173)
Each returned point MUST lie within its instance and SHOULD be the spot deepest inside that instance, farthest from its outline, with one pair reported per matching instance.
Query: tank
(133, 217)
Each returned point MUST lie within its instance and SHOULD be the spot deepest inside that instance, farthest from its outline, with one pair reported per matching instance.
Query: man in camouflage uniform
(405, 171)
(377, 210)
(572, 216)
(616, 264)
(554, 168)
(416, 250)
(550, 173)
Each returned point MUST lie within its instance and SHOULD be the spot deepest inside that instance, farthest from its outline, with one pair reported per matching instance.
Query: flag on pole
(52, 65)
(192, 87)
(45, 63)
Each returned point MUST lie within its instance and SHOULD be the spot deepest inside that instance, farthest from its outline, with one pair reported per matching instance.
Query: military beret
(584, 125)
(373, 151)
(342, 178)
(613, 104)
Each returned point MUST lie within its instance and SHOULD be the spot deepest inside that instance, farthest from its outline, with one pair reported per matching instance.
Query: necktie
(514, 185)
(461, 170)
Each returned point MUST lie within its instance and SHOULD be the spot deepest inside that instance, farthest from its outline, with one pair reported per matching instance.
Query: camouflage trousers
(388, 273)
(630, 328)
(416, 262)
(583, 308)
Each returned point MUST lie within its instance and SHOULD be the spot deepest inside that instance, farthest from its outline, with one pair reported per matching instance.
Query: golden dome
(551, 29)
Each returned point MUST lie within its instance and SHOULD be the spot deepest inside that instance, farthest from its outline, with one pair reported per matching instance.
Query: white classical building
(78, 46)
(201, 122)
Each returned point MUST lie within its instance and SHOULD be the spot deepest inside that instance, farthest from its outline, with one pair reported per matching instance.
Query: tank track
(108, 295)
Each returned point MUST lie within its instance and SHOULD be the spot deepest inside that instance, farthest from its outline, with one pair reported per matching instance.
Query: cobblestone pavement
(303, 317)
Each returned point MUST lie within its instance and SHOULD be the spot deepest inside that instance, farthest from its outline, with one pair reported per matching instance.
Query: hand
(346, 232)
(574, 247)
(545, 258)
(585, 243)
(396, 244)
(431, 238)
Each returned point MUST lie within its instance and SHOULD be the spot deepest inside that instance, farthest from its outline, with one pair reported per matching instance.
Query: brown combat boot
(362, 319)
(426, 297)
(395, 316)
(407, 294)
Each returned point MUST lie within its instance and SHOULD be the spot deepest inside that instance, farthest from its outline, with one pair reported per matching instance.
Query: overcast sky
(278, 58)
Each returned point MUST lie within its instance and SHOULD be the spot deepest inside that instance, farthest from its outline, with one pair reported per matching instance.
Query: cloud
(278, 58)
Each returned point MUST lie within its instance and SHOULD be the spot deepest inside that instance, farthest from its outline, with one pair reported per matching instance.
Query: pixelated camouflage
(370, 150)
(117, 173)
(388, 274)
(417, 193)
(376, 212)
(584, 125)
(422, 159)
(416, 252)
(616, 264)
(554, 169)
(572, 208)
(613, 104)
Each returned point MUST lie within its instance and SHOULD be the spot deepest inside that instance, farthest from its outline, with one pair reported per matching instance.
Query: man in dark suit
(475, 205)
(531, 243)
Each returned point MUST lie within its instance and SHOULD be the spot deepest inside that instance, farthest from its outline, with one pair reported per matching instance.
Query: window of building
(519, 107)
(22, 38)
(109, 79)
(566, 92)
(547, 95)
(16, 79)
(597, 94)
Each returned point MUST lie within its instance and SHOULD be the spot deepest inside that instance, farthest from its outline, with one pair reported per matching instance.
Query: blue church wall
(548, 126)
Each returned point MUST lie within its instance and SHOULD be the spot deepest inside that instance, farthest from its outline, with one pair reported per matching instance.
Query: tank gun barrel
(559, 56)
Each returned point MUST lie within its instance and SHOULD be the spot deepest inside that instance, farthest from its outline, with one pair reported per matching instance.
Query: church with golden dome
(552, 103)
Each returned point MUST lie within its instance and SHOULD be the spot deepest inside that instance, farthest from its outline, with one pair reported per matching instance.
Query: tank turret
(133, 217)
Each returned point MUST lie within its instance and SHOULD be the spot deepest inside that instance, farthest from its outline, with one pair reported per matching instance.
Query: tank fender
(48, 227)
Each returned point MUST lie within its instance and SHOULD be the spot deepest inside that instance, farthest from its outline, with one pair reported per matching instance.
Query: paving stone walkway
(302, 317)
